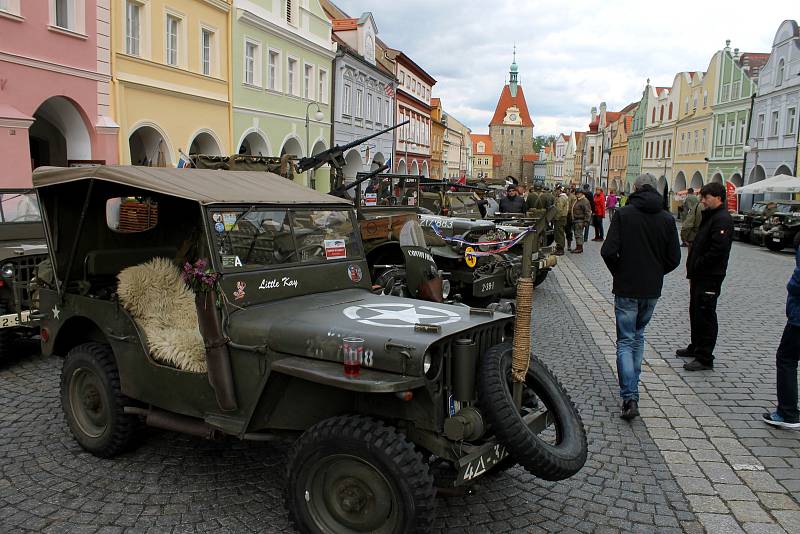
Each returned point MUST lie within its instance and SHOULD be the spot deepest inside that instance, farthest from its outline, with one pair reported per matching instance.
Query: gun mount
(335, 157)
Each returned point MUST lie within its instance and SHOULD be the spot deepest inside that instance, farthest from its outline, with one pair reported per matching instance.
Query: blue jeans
(632, 317)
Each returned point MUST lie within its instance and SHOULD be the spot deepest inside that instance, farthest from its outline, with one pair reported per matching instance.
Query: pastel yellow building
(694, 129)
(170, 91)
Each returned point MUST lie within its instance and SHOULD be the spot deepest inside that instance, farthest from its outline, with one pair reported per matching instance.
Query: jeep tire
(6, 336)
(549, 461)
(355, 474)
(773, 246)
(93, 401)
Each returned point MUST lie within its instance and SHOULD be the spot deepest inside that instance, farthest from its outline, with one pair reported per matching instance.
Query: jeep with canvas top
(281, 333)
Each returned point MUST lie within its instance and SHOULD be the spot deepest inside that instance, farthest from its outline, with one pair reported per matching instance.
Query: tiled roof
(485, 139)
(660, 90)
(436, 102)
(754, 60)
(566, 137)
(530, 157)
(506, 101)
(579, 137)
(630, 107)
(612, 116)
(345, 24)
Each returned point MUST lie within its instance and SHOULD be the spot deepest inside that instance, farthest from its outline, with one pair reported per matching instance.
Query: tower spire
(512, 83)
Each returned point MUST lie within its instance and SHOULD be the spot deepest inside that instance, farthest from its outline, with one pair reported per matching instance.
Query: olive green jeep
(381, 391)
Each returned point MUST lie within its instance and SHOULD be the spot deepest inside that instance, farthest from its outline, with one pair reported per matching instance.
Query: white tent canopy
(782, 183)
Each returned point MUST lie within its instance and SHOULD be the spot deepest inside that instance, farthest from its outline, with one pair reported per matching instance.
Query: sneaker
(630, 409)
(685, 353)
(697, 365)
(775, 419)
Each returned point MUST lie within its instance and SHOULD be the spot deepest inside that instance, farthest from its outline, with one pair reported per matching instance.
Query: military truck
(744, 223)
(289, 339)
(780, 228)
(22, 249)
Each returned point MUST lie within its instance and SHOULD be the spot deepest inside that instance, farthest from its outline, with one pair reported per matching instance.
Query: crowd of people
(641, 247)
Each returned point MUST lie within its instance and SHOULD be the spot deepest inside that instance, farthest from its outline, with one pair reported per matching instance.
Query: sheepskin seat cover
(164, 308)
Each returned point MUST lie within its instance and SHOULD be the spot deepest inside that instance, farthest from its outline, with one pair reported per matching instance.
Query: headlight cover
(427, 362)
(7, 271)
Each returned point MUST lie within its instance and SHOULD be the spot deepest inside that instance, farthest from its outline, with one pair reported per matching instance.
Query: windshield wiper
(235, 222)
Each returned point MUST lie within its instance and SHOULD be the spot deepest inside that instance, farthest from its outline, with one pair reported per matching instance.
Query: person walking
(706, 266)
(623, 199)
(560, 222)
(786, 415)
(689, 203)
(599, 213)
(611, 204)
(581, 212)
(642, 246)
(512, 203)
(569, 233)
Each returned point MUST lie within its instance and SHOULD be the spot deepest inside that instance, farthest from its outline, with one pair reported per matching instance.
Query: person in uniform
(560, 222)
(533, 198)
(581, 212)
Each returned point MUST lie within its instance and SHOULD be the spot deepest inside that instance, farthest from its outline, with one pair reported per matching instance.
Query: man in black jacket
(512, 203)
(705, 268)
(640, 248)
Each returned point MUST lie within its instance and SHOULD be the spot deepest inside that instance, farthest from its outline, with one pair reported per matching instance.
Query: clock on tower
(512, 116)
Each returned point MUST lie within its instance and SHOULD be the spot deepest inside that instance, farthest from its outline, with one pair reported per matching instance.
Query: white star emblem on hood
(396, 315)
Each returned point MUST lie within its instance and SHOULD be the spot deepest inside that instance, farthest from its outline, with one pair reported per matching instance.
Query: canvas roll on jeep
(286, 337)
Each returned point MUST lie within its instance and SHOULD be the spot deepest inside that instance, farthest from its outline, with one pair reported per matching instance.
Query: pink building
(55, 81)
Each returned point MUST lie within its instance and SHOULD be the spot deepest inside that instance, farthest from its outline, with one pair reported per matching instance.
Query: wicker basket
(136, 216)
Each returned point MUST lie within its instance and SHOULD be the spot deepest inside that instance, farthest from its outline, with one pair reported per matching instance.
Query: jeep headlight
(427, 362)
(7, 271)
(445, 289)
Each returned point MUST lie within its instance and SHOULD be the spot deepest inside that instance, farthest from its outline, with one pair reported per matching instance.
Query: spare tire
(549, 461)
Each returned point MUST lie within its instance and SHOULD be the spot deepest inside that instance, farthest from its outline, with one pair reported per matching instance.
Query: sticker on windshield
(229, 221)
(335, 249)
(217, 217)
(396, 315)
(231, 261)
(219, 227)
(371, 199)
(355, 273)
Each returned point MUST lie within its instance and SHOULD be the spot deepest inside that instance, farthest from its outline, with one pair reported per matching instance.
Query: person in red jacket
(599, 213)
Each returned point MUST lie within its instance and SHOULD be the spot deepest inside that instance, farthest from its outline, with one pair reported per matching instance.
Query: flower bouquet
(199, 276)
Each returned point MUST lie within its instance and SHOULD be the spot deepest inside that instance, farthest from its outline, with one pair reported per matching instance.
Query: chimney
(602, 108)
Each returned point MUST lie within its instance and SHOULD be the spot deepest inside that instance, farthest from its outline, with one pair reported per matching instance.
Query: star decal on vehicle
(396, 315)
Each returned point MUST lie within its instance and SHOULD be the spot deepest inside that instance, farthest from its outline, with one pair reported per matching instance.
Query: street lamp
(752, 145)
(318, 116)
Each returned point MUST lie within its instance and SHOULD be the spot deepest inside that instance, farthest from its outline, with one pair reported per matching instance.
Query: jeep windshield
(463, 205)
(248, 238)
(19, 206)
(389, 190)
(787, 208)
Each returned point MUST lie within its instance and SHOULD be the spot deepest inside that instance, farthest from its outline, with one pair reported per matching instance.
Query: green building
(634, 166)
(731, 112)
(282, 56)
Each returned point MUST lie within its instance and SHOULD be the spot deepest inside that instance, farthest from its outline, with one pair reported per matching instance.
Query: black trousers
(703, 295)
(597, 222)
(786, 363)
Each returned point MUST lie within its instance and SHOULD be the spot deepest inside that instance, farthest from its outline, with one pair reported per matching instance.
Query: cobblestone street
(699, 458)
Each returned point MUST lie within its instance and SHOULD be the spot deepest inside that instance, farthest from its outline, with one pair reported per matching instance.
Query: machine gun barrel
(441, 183)
(335, 155)
(340, 191)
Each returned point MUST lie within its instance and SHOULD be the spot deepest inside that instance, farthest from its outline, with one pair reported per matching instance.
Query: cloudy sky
(571, 54)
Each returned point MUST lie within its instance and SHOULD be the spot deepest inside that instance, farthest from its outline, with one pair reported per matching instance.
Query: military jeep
(428, 391)
(780, 224)
(22, 249)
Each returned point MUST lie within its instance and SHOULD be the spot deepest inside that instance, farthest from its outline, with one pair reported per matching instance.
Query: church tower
(511, 129)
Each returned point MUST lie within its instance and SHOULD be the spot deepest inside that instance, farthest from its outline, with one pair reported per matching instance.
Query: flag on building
(389, 91)
(183, 161)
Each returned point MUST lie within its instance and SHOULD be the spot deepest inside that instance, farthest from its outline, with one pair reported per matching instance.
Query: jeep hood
(313, 326)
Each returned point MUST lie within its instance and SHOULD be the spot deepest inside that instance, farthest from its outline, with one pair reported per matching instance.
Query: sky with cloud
(571, 54)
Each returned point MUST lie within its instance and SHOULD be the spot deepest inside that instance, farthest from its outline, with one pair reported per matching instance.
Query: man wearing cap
(640, 248)
(512, 203)
(587, 192)
(560, 222)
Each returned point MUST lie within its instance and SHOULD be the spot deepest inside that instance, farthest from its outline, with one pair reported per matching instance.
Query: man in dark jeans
(641, 247)
(706, 266)
(787, 414)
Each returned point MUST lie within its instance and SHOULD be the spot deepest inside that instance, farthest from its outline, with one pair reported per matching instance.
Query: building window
(64, 13)
(359, 100)
(705, 98)
(658, 149)
(670, 112)
(695, 140)
(173, 33)
(790, 116)
(252, 63)
(721, 136)
(725, 90)
(736, 90)
(291, 12)
(683, 143)
(10, 6)
(274, 72)
(322, 96)
(731, 132)
(661, 113)
(308, 77)
(653, 115)
(292, 77)
(742, 127)
(132, 27)
(761, 125)
(207, 50)
(368, 114)
(774, 124)
(346, 107)
(388, 115)
(686, 105)
(669, 148)
(779, 73)
(694, 102)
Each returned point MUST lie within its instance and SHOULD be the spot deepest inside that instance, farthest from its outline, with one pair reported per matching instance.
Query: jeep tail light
(45, 334)
(405, 395)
